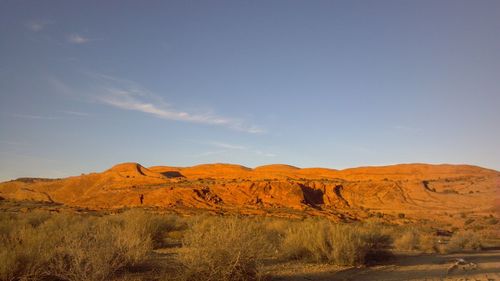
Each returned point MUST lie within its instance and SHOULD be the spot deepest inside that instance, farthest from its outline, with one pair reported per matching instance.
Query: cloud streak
(77, 39)
(131, 97)
(37, 117)
(76, 113)
(227, 147)
(36, 26)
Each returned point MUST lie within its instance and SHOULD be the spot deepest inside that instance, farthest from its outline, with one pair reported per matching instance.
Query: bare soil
(401, 267)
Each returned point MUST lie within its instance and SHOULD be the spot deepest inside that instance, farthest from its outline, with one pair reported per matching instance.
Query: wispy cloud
(77, 39)
(60, 87)
(76, 113)
(45, 117)
(209, 153)
(227, 145)
(129, 96)
(29, 116)
(36, 26)
(228, 148)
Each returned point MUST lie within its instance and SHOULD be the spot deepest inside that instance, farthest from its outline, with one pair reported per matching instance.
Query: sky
(85, 85)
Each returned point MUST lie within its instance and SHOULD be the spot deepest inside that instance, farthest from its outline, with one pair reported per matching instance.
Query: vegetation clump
(73, 247)
(218, 248)
(39, 245)
(464, 240)
(415, 240)
(341, 244)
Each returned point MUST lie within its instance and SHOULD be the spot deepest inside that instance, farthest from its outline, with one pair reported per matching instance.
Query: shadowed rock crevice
(338, 192)
(172, 174)
(313, 197)
(426, 185)
(207, 195)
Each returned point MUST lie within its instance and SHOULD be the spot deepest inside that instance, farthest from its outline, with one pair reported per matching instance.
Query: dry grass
(96, 249)
(464, 241)
(408, 241)
(342, 244)
(39, 245)
(35, 246)
(23, 251)
(153, 225)
(224, 249)
(415, 240)
(420, 240)
(428, 244)
(231, 248)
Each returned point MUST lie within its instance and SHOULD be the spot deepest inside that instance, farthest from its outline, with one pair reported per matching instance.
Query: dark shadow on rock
(173, 174)
(313, 197)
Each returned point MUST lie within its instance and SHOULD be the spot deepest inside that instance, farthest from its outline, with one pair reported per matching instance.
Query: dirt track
(420, 267)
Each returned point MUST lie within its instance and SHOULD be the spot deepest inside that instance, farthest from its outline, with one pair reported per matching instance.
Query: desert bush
(93, 250)
(306, 240)
(416, 240)
(155, 226)
(342, 244)
(70, 246)
(428, 244)
(24, 251)
(35, 218)
(464, 240)
(217, 248)
(408, 241)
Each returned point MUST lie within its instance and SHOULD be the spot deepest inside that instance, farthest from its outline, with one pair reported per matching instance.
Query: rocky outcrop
(276, 188)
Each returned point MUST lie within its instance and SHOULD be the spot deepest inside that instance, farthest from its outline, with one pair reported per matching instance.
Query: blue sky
(87, 84)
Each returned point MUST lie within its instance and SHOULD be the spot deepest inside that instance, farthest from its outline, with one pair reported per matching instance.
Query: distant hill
(418, 191)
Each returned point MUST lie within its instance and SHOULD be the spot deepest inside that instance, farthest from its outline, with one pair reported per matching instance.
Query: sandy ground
(402, 267)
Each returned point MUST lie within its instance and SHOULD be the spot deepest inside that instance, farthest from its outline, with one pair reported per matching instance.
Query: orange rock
(417, 189)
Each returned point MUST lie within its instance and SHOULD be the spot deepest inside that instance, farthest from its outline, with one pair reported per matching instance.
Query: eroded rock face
(207, 195)
(319, 191)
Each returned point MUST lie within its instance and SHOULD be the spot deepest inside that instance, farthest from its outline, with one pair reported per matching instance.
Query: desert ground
(277, 222)
(402, 267)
